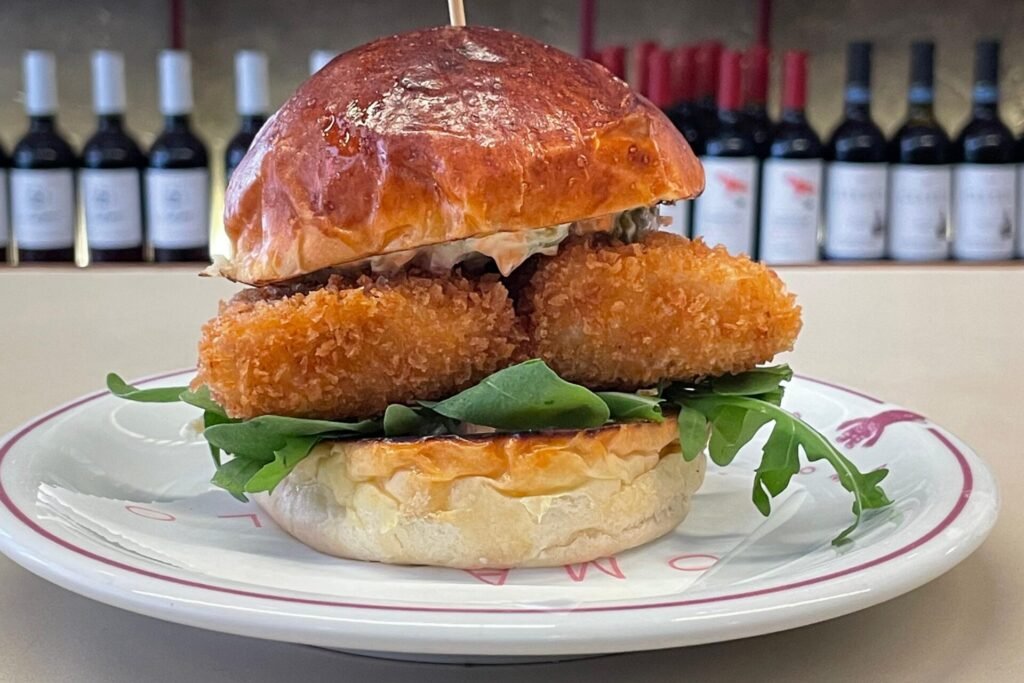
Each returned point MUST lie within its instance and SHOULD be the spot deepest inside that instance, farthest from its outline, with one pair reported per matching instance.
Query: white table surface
(947, 341)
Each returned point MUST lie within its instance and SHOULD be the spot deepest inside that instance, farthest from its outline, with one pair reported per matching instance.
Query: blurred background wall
(288, 29)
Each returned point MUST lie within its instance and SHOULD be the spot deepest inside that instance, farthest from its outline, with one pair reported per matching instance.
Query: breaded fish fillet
(347, 350)
(610, 315)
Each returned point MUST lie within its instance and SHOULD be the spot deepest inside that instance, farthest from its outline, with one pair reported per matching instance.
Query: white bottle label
(43, 208)
(724, 214)
(679, 213)
(984, 197)
(855, 202)
(5, 228)
(113, 207)
(919, 205)
(790, 210)
(178, 207)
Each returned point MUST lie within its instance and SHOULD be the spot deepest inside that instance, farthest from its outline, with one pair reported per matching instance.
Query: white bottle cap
(39, 69)
(108, 95)
(175, 83)
(318, 59)
(251, 83)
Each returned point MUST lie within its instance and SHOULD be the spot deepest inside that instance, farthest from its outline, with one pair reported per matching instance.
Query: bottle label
(43, 208)
(984, 197)
(5, 228)
(178, 207)
(679, 213)
(113, 207)
(855, 203)
(919, 201)
(724, 214)
(790, 210)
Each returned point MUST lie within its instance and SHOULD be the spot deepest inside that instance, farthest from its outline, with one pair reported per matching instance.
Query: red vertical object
(708, 58)
(684, 73)
(659, 78)
(613, 58)
(756, 77)
(641, 53)
(729, 91)
(588, 20)
(794, 80)
(764, 23)
(177, 24)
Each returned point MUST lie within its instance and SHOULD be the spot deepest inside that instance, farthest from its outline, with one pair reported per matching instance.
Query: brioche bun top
(440, 135)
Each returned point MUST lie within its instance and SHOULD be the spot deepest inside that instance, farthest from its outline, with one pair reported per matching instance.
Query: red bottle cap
(756, 78)
(613, 58)
(794, 80)
(730, 79)
(659, 78)
(708, 57)
(641, 53)
(684, 73)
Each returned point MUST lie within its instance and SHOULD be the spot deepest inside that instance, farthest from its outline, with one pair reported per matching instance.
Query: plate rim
(980, 529)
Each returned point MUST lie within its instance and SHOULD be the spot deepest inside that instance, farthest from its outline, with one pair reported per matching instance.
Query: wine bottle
(613, 58)
(725, 213)
(920, 175)
(178, 176)
(642, 53)
(110, 181)
(792, 174)
(684, 115)
(318, 59)
(984, 178)
(755, 108)
(659, 81)
(856, 170)
(252, 102)
(708, 59)
(43, 171)
(5, 227)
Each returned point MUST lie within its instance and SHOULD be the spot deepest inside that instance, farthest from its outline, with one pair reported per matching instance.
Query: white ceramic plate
(110, 499)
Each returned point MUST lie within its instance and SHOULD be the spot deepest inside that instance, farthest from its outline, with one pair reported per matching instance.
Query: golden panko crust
(625, 316)
(347, 350)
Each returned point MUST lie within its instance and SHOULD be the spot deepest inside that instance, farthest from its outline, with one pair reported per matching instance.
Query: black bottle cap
(858, 64)
(986, 62)
(922, 61)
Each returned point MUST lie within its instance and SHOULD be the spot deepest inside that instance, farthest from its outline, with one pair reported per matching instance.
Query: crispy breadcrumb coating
(610, 315)
(348, 349)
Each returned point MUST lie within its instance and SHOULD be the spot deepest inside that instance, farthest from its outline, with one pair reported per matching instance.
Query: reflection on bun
(494, 501)
(442, 135)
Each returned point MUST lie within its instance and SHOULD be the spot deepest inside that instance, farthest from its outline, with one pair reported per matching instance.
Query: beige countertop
(946, 341)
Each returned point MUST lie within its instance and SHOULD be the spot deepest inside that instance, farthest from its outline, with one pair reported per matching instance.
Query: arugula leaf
(525, 397)
(259, 438)
(752, 382)
(402, 420)
(731, 429)
(211, 418)
(285, 460)
(623, 406)
(233, 475)
(778, 459)
(118, 387)
(200, 398)
(693, 432)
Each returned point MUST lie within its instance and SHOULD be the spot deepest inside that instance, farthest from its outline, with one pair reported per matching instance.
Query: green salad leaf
(526, 397)
(722, 414)
(623, 406)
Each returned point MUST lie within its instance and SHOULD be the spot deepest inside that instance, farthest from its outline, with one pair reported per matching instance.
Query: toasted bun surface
(444, 134)
(499, 501)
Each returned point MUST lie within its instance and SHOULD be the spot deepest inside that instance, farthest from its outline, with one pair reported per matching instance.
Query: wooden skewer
(457, 12)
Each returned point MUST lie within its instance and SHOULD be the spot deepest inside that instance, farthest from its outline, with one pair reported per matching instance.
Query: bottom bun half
(495, 501)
